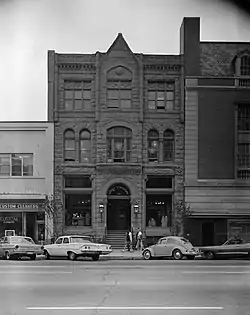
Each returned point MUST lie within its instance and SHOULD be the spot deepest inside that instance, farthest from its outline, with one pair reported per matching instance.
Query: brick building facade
(119, 145)
(217, 136)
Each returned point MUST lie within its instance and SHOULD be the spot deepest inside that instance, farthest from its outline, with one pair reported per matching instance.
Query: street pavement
(119, 287)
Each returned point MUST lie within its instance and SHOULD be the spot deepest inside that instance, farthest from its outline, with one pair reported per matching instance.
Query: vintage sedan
(231, 248)
(171, 246)
(19, 246)
(74, 246)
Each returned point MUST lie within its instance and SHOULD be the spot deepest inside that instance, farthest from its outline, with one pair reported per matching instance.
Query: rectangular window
(77, 95)
(243, 141)
(119, 98)
(161, 96)
(16, 165)
(159, 181)
(158, 211)
(78, 209)
(78, 182)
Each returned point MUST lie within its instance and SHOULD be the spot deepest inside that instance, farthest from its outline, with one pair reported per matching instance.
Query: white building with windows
(26, 177)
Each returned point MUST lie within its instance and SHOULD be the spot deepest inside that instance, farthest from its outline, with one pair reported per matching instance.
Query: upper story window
(85, 146)
(168, 145)
(245, 65)
(69, 145)
(119, 144)
(243, 141)
(77, 95)
(119, 98)
(160, 96)
(16, 164)
(153, 145)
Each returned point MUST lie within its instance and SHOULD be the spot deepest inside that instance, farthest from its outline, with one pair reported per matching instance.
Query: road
(60, 287)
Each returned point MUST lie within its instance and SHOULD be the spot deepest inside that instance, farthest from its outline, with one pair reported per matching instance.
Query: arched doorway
(119, 208)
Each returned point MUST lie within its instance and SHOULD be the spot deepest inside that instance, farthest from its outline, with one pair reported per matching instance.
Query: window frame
(171, 139)
(69, 138)
(88, 151)
(76, 87)
(21, 157)
(163, 89)
(119, 99)
(152, 139)
(126, 140)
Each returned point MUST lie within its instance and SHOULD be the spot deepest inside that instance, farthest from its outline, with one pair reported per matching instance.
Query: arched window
(85, 146)
(245, 65)
(118, 190)
(153, 146)
(69, 145)
(168, 145)
(119, 144)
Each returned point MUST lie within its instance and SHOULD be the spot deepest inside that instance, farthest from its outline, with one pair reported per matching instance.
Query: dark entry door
(30, 224)
(118, 214)
(207, 233)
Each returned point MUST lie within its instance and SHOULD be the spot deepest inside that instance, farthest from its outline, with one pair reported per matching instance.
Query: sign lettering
(33, 206)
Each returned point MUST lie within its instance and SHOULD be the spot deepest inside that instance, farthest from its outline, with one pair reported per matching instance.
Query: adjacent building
(119, 140)
(26, 178)
(217, 136)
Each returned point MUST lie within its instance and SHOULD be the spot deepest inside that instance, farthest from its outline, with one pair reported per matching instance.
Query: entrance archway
(119, 208)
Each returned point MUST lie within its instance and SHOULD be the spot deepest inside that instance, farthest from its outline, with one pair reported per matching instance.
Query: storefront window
(158, 211)
(10, 221)
(78, 209)
(239, 229)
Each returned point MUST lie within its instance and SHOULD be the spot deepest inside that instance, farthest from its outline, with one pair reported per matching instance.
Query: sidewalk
(119, 254)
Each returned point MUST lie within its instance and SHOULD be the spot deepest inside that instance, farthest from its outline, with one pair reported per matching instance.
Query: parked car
(19, 246)
(171, 246)
(231, 248)
(74, 246)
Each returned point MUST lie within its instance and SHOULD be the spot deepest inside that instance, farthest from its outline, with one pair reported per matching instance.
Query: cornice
(161, 67)
(77, 66)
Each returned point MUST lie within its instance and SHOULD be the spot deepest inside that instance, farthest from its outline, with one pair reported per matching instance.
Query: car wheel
(47, 255)
(209, 255)
(72, 256)
(177, 254)
(147, 255)
(33, 257)
(95, 257)
(7, 256)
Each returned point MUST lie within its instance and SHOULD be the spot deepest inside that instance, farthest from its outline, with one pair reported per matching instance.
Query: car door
(160, 248)
(56, 248)
(170, 244)
(64, 247)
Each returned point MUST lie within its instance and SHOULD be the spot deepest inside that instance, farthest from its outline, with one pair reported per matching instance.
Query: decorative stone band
(160, 67)
(77, 66)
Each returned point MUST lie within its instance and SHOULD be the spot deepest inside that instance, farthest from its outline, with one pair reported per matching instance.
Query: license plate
(30, 253)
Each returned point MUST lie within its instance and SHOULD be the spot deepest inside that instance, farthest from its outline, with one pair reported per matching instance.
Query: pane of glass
(85, 145)
(87, 94)
(4, 170)
(85, 156)
(78, 182)
(28, 165)
(151, 105)
(125, 103)
(118, 154)
(170, 96)
(151, 95)
(113, 94)
(160, 95)
(113, 103)
(85, 134)
(16, 166)
(170, 105)
(78, 210)
(69, 155)
(68, 104)
(78, 104)
(87, 104)
(128, 144)
(125, 94)
(69, 94)
(160, 104)
(69, 144)
(128, 153)
(78, 94)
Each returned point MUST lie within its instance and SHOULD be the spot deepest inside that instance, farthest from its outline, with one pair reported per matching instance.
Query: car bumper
(96, 252)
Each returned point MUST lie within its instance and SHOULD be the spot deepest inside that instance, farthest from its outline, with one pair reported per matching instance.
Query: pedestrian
(127, 242)
(139, 242)
(130, 241)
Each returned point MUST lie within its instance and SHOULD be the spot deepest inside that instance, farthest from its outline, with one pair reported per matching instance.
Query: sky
(29, 28)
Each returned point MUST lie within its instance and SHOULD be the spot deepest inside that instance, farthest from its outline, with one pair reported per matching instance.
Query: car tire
(147, 255)
(47, 255)
(95, 257)
(32, 257)
(72, 256)
(177, 254)
(209, 255)
(7, 256)
(190, 257)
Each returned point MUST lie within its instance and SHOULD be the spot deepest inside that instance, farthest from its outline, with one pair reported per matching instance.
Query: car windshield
(233, 241)
(30, 240)
(80, 240)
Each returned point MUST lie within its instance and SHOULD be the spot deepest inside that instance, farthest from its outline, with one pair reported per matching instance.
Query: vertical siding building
(119, 142)
(26, 177)
(217, 136)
